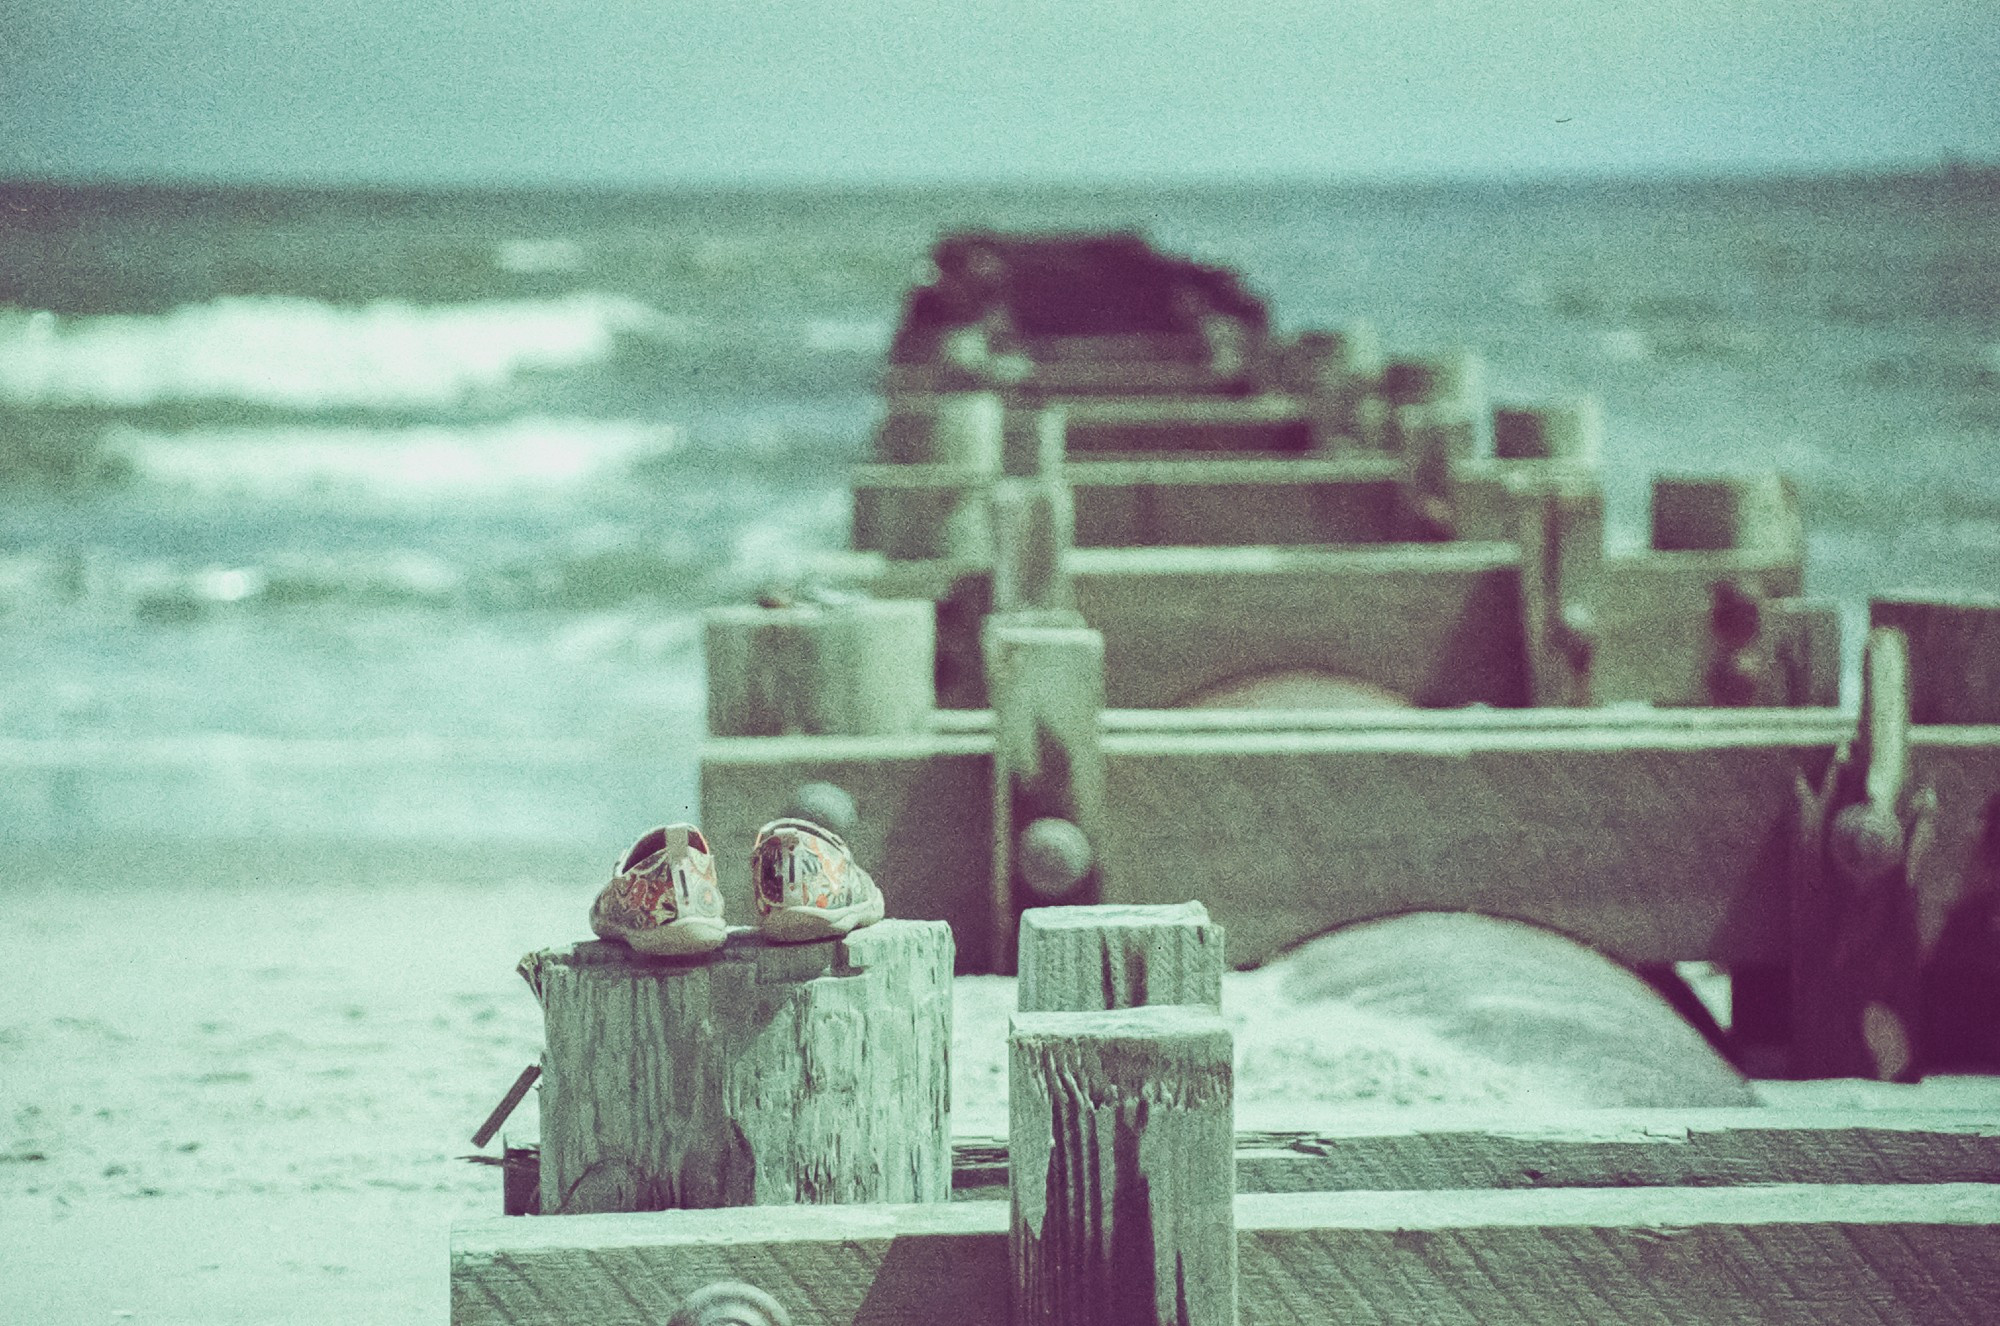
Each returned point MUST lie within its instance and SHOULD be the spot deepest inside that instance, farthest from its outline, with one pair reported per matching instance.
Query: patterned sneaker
(663, 899)
(807, 884)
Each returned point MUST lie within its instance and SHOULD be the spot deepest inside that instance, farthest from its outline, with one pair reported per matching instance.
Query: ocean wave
(301, 354)
(415, 464)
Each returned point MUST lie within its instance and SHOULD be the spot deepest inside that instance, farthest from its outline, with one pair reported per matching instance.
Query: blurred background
(384, 387)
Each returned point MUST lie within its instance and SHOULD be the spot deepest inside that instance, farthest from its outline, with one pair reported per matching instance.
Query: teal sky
(633, 92)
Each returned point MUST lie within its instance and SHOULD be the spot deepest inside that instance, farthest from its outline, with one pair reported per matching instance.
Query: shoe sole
(800, 925)
(690, 934)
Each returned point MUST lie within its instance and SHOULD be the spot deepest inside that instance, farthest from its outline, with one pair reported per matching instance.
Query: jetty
(1167, 642)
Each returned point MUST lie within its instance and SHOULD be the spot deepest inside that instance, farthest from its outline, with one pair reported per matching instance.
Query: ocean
(388, 518)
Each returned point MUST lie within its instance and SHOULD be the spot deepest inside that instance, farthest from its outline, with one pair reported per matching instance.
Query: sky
(639, 92)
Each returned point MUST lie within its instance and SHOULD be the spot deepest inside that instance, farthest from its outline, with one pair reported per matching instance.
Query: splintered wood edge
(1598, 1208)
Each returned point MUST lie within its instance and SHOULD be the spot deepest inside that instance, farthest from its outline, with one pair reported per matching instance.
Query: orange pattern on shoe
(663, 898)
(807, 884)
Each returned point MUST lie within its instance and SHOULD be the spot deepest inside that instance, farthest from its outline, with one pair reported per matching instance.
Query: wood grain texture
(1091, 959)
(767, 1073)
(1122, 1168)
(1816, 1256)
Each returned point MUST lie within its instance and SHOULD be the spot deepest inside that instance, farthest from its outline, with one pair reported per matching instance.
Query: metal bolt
(1054, 856)
(728, 1303)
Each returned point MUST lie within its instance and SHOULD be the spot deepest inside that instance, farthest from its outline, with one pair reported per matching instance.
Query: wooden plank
(1654, 621)
(1662, 839)
(1426, 1149)
(1088, 959)
(1812, 1255)
(763, 1073)
(1123, 1168)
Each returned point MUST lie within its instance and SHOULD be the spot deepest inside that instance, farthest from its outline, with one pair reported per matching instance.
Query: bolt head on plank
(1054, 856)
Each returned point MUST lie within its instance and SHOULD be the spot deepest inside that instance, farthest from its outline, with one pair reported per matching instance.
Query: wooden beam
(1089, 959)
(1656, 836)
(1793, 1254)
(1290, 1150)
(1439, 624)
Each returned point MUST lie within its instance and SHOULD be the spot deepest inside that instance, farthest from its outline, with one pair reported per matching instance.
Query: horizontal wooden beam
(1424, 1150)
(1664, 838)
(1824, 1255)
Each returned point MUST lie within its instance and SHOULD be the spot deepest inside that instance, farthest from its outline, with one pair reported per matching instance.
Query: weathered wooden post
(1756, 518)
(1121, 1158)
(1856, 947)
(1332, 372)
(1034, 525)
(961, 429)
(1047, 689)
(1562, 547)
(1093, 959)
(864, 667)
(1954, 655)
(765, 1074)
(1571, 433)
(1756, 514)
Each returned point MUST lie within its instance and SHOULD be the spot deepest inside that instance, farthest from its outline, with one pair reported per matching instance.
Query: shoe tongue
(645, 847)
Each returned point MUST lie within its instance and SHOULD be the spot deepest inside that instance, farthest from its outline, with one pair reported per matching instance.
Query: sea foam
(302, 354)
(516, 458)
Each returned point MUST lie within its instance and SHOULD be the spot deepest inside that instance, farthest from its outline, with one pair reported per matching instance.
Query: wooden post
(1562, 546)
(1804, 637)
(1036, 441)
(1954, 655)
(1034, 528)
(1857, 952)
(960, 429)
(1123, 1168)
(1758, 515)
(1571, 433)
(767, 1074)
(859, 668)
(1432, 439)
(1092, 959)
(1047, 688)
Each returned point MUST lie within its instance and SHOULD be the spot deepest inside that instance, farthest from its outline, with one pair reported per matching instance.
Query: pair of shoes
(664, 900)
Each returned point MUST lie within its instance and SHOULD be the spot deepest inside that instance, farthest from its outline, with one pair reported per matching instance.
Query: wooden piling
(1857, 951)
(1571, 433)
(765, 1074)
(1093, 959)
(1047, 689)
(1756, 514)
(1123, 1169)
(865, 667)
(961, 429)
(1562, 547)
(1954, 649)
(1034, 527)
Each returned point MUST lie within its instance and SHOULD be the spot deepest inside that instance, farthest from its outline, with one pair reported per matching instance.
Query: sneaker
(663, 899)
(807, 884)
